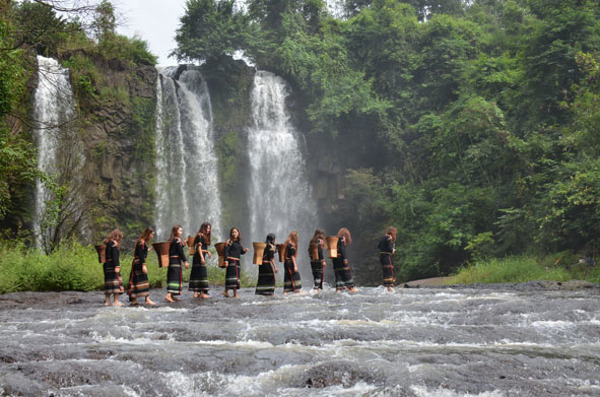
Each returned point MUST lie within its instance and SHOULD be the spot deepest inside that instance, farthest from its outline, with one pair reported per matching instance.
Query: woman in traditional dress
(233, 251)
(112, 268)
(343, 274)
(176, 258)
(317, 261)
(138, 280)
(386, 250)
(268, 268)
(291, 279)
(199, 276)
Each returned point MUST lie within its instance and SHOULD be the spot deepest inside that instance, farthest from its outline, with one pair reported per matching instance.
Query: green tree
(210, 29)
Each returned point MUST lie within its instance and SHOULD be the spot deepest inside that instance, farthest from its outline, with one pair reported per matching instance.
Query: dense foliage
(484, 115)
(82, 39)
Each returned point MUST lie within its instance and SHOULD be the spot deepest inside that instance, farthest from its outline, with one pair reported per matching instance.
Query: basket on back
(281, 252)
(313, 251)
(220, 247)
(162, 252)
(259, 250)
(101, 249)
(190, 243)
(332, 244)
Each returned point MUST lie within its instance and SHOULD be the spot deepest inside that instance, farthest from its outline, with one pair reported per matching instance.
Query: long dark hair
(204, 231)
(344, 232)
(392, 232)
(319, 234)
(293, 238)
(239, 239)
(270, 238)
(115, 235)
(145, 236)
(174, 232)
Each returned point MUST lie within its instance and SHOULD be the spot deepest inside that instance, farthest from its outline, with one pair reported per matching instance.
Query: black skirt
(112, 280)
(387, 265)
(266, 279)
(199, 277)
(343, 274)
(291, 279)
(317, 271)
(232, 275)
(138, 281)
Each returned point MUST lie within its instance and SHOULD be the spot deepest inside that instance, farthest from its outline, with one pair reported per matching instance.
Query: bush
(76, 268)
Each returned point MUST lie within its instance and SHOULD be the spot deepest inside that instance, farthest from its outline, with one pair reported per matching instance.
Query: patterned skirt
(138, 281)
(317, 271)
(388, 270)
(174, 279)
(291, 279)
(232, 275)
(343, 274)
(266, 279)
(112, 280)
(199, 278)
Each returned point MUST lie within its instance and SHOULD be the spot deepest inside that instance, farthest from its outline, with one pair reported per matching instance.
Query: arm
(342, 251)
(115, 257)
(181, 253)
(199, 243)
(227, 246)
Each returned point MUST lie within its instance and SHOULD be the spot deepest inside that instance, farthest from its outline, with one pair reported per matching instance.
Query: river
(501, 341)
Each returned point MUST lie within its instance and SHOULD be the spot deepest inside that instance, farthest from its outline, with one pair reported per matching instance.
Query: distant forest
(479, 121)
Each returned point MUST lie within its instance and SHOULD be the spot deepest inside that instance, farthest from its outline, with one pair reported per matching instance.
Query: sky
(154, 21)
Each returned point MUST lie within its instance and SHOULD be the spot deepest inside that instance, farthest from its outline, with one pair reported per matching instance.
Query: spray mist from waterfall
(187, 190)
(280, 197)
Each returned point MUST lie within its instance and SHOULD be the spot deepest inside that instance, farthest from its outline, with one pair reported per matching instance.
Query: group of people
(138, 286)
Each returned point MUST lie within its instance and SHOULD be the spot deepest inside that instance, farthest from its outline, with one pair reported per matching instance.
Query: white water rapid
(53, 110)
(280, 198)
(187, 188)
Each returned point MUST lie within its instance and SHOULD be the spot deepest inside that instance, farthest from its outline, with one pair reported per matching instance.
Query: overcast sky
(154, 21)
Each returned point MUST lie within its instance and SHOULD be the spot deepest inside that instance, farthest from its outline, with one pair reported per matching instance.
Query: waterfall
(280, 198)
(187, 191)
(53, 110)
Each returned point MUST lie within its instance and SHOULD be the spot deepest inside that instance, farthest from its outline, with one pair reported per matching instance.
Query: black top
(290, 251)
(200, 245)
(234, 250)
(386, 245)
(112, 254)
(341, 249)
(141, 251)
(269, 253)
(176, 249)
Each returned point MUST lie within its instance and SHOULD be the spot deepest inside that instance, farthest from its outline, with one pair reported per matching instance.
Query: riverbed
(500, 341)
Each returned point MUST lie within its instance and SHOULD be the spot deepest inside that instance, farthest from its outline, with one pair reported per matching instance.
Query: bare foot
(107, 303)
(117, 304)
(169, 298)
(236, 296)
(225, 294)
(352, 290)
(150, 303)
(204, 296)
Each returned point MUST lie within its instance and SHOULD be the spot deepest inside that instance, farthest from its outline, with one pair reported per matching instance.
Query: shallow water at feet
(414, 342)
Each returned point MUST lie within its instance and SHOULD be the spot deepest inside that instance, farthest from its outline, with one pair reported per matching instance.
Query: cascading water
(187, 187)
(280, 196)
(53, 110)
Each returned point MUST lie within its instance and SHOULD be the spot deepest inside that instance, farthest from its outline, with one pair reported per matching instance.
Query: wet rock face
(516, 340)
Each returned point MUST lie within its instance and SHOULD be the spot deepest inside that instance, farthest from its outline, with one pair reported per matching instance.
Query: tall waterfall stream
(415, 342)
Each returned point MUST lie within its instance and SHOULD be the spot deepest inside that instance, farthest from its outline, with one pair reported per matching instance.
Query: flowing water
(187, 188)
(280, 196)
(415, 342)
(53, 112)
